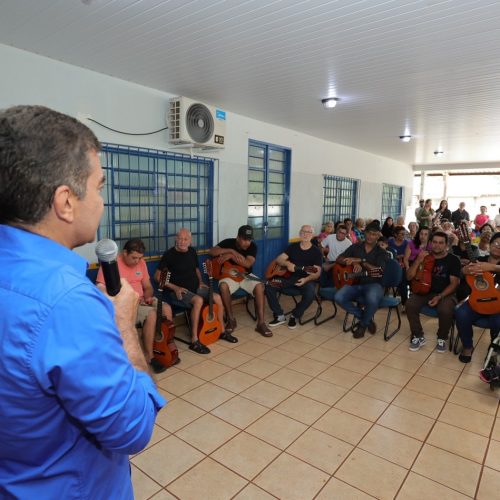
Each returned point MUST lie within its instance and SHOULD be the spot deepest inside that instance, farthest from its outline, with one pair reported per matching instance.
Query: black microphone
(107, 252)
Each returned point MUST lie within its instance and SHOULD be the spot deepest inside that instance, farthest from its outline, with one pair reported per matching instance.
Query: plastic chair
(325, 292)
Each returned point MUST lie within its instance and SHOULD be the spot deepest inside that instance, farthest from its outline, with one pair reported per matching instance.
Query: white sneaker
(416, 343)
(441, 346)
(280, 320)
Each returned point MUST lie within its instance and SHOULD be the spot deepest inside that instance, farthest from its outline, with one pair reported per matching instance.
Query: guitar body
(485, 296)
(274, 270)
(227, 270)
(164, 349)
(345, 275)
(421, 283)
(209, 329)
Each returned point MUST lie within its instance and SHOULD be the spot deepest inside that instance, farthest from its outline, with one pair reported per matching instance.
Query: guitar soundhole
(211, 330)
(159, 337)
(481, 284)
(210, 318)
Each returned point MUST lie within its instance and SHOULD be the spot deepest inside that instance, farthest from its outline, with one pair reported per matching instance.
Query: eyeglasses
(495, 244)
(342, 232)
(305, 232)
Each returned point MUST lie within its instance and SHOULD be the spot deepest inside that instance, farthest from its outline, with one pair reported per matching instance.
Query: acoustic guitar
(422, 281)
(229, 270)
(164, 349)
(209, 328)
(484, 297)
(345, 275)
(274, 270)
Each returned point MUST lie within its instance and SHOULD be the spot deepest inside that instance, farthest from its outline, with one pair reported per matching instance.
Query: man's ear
(64, 203)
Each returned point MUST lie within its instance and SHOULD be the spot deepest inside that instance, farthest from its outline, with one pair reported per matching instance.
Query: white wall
(31, 79)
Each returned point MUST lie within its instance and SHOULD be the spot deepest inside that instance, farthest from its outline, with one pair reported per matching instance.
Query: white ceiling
(431, 67)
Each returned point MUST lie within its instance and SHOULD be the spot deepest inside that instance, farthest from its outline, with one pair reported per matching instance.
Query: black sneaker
(359, 331)
(489, 375)
(292, 323)
(156, 366)
(277, 321)
(228, 337)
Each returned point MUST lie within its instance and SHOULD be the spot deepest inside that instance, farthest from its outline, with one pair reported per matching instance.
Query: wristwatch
(363, 261)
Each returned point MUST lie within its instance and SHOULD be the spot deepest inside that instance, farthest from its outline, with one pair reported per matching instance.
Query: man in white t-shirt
(336, 243)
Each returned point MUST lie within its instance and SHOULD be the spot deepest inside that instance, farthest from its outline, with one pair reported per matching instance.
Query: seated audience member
(483, 247)
(481, 218)
(426, 215)
(295, 258)
(132, 267)
(187, 287)
(350, 231)
(388, 228)
(383, 243)
(465, 252)
(459, 215)
(359, 229)
(240, 251)
(418, 244)
(497, 221)
(444, 281)
(328, 229)
(335, 244)
(398, 245)
(465, 315)
(365, 255)
(443, 212)
(412, 231)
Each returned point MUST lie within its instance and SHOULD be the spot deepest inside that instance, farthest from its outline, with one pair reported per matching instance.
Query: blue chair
(327, 292)
(242, 294)
(294, 293)
(391, 279)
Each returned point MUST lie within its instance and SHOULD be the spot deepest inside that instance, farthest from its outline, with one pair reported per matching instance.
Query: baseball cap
(245, 232)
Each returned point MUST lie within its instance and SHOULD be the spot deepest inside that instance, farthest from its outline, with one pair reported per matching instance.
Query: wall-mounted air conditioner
(194, 124)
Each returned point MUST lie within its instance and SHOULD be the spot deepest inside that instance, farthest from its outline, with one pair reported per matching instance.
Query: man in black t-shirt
(295, 258)
(237, 256)
(186, 285)
(445, 279)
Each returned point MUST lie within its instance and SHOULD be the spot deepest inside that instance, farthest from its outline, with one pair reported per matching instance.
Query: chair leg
(320, 310)
(316, 314)
(253, 315)
(187, 318)
(389, 313)
(453, 345)
(346, 328)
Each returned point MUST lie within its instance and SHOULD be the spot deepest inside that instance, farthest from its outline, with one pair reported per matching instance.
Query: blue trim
(340, 198)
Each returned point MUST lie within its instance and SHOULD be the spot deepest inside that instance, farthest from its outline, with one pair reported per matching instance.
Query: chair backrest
(393, 274)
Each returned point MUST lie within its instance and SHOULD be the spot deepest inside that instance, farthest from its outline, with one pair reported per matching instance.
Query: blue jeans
(372, 294)
(465, 317)
(307, 292)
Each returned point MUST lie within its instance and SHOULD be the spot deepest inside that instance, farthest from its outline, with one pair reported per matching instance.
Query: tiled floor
(313, 413)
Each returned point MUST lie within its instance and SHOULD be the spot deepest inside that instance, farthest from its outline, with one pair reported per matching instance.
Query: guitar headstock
(463, 232)
(208, 268)
(164, 279)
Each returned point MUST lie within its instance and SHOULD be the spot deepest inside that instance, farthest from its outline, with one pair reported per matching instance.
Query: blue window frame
(392, 201)
(340, 198)
(150, 194)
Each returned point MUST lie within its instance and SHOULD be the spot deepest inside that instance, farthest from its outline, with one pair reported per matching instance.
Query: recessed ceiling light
(330, 102)
(405, 138)
(438, 154)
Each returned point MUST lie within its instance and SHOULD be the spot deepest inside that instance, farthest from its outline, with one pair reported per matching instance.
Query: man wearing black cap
(237, 256)
(366, 255)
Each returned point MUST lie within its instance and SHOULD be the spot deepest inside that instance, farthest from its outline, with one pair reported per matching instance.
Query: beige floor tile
(308, 366)
(322, 391)
(321, 450)
(402, 350)
(446, 360)
(439, 373)
(240, 412)
(279, 356)
(188, 359)
(419, 403)
(144, 486)
(177, 414)
(493, 457)
(379, 477)
(417, 487)
(407, 422)
(377, 389)
(337, 345)
(448, 469)
(252, 492)
(380, 344)
(296, 347)
(207, 433)
(496, 430)
(235, 381)
(180, 383)
(369, 353)
(343, 425)
(391, 375)
(324, 355)
(459, 441)
(246, 455)
(208, 370)
(474, 400)
(361, 405)
(338, 490)
(280, 336)
(208, 396)
(208, 481)
(259, 368)
(430, 387)
(301, 408)
(172, 451)
(289, 379)
(488, 487)
(340, 376)
(167, 373)
(266, 394)
(406, 364)
(290, 478)
(356, 365)
(467, 418)
(315, 337)
(163, 495)
(232, 358)
(158, 434)
(472, 382)
(253, 348)
(167, 395)
(393, 446)
(276, 429)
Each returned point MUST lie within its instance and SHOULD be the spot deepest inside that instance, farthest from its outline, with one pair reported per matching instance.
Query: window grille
(392, 201)
(340, 198)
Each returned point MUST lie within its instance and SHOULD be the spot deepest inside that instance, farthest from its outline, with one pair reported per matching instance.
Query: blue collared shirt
(72, 407)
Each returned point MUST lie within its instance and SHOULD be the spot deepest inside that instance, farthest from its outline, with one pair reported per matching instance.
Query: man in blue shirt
(76, 396)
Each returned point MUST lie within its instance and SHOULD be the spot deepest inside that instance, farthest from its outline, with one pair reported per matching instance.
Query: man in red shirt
(133, 268)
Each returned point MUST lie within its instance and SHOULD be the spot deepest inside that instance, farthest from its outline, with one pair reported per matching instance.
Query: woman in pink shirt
(481, 218)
